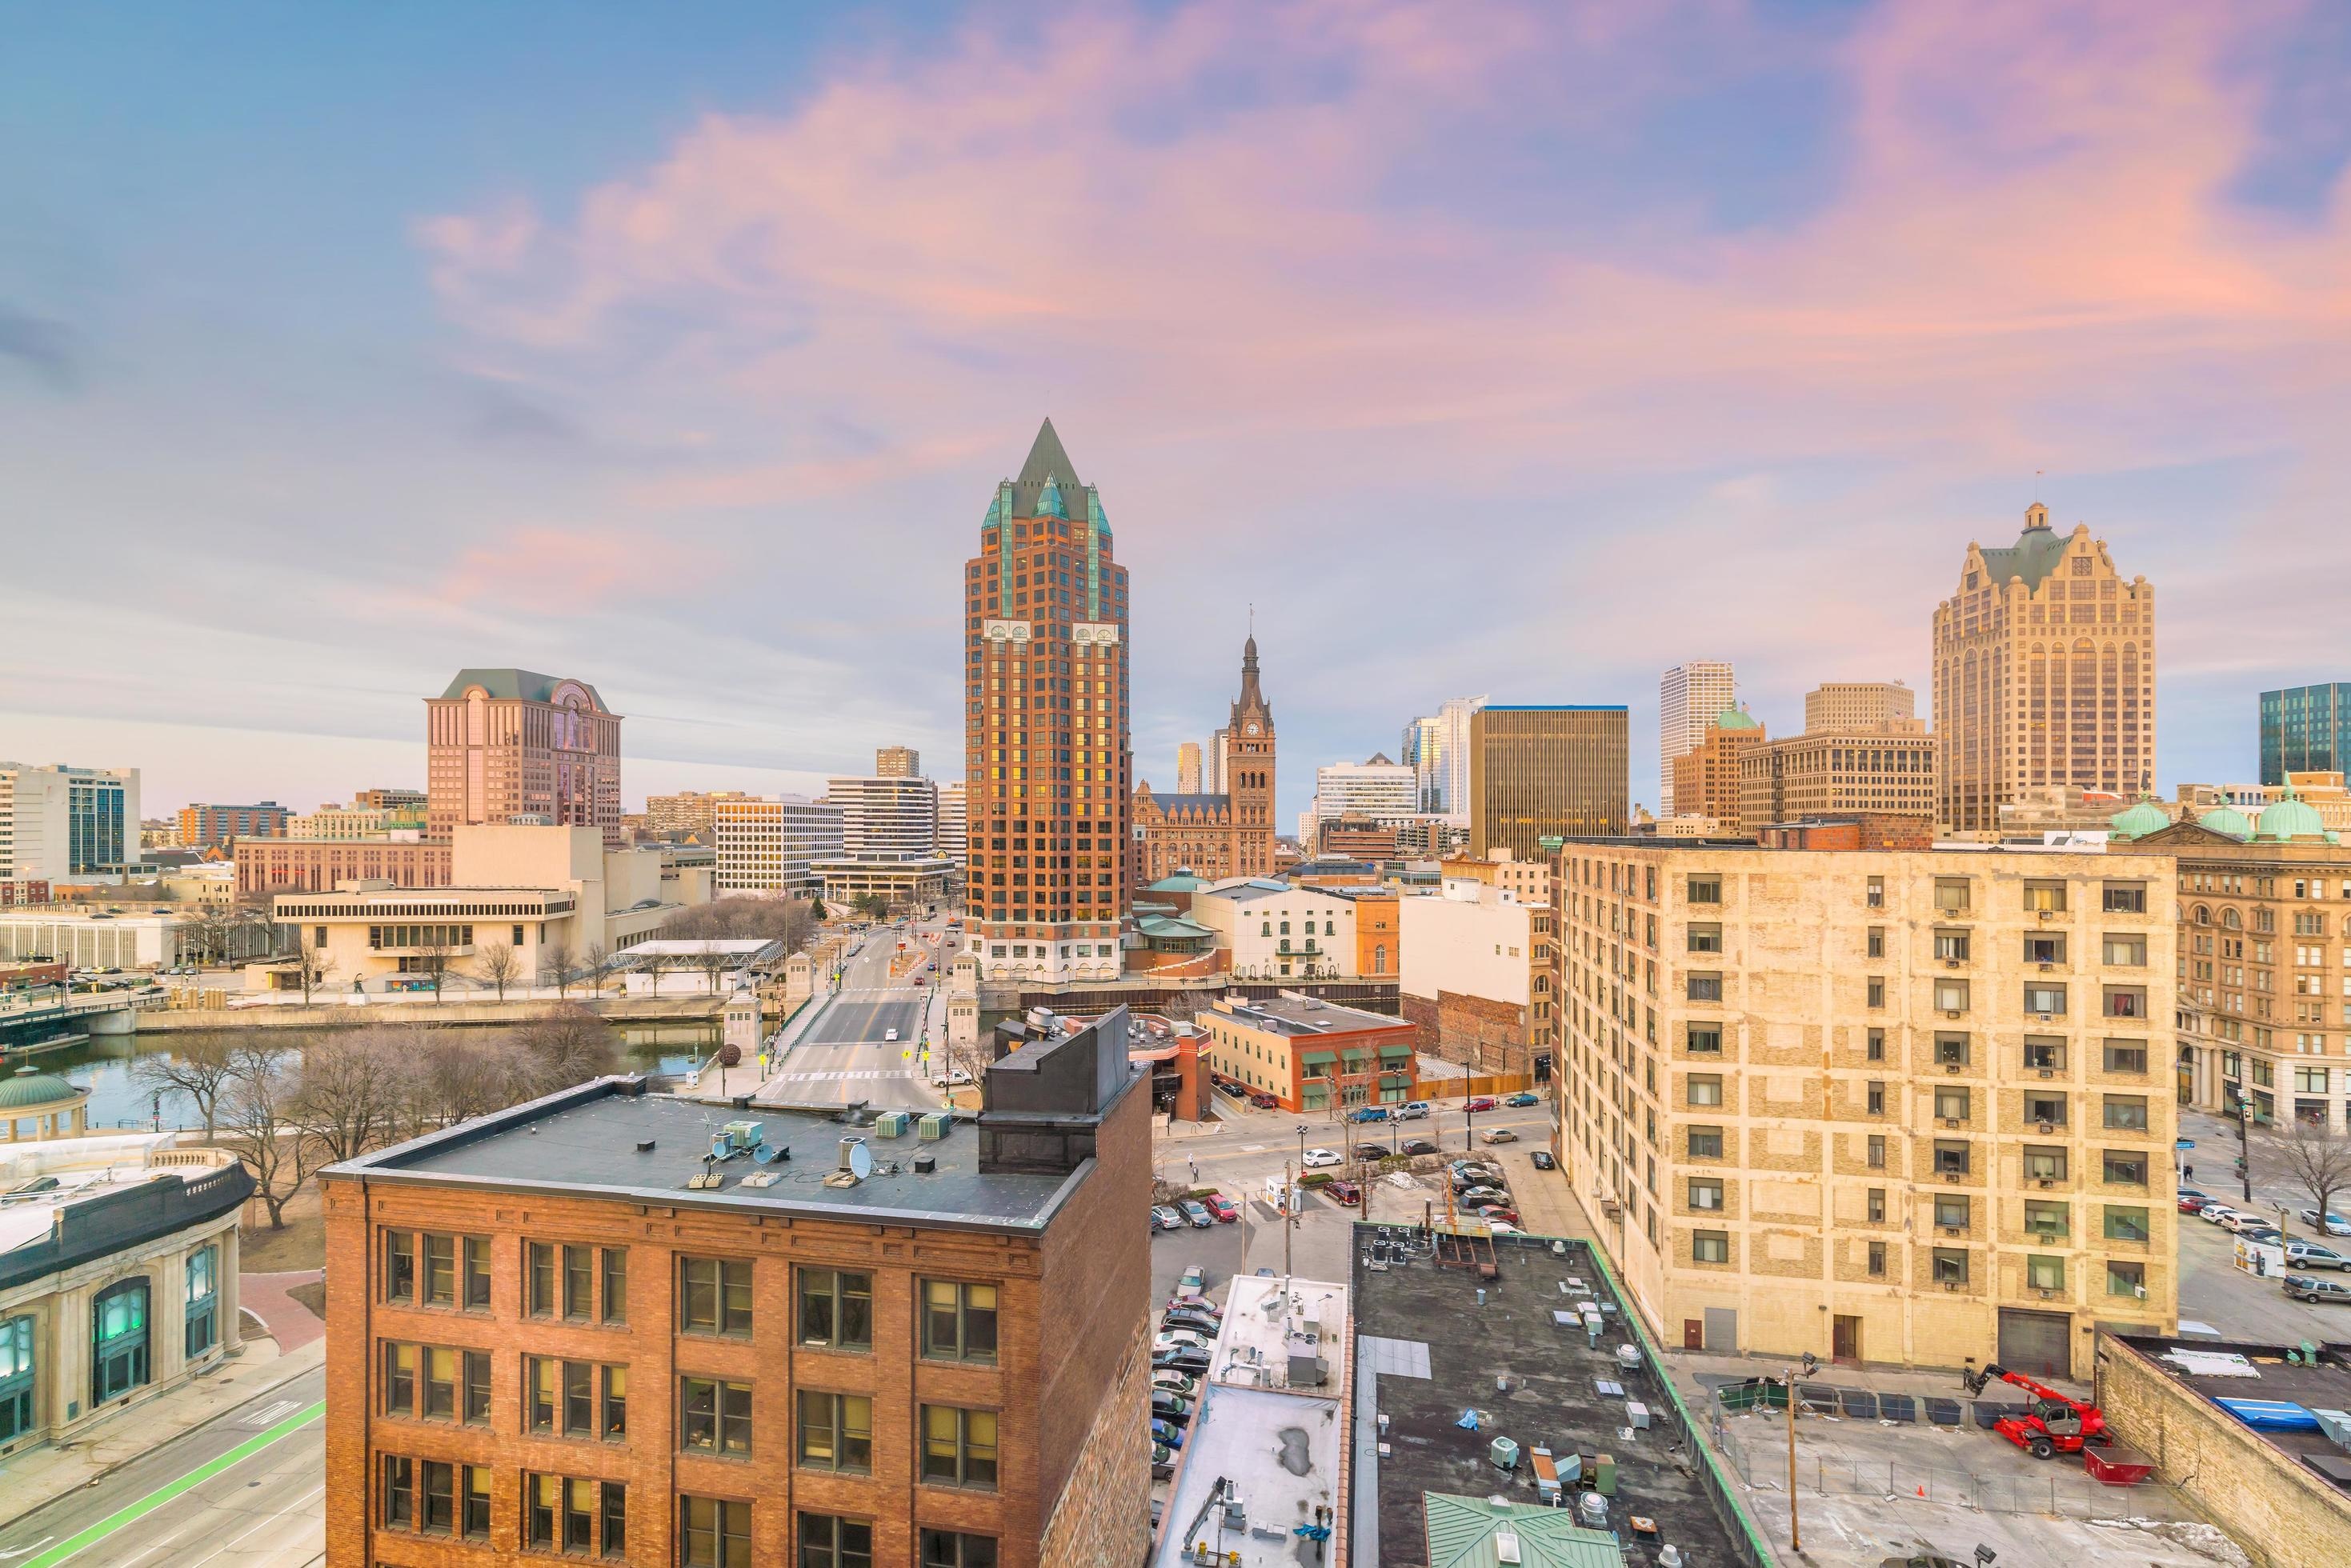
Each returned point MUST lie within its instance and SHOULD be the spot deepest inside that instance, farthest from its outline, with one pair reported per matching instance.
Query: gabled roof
(1192, 805)
(506, 685)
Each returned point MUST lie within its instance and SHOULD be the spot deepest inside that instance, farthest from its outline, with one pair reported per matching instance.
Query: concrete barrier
(328, 1014)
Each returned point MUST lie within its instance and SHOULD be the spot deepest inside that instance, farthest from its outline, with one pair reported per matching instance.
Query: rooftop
(2259, 1376)
(527, 685)
(1428, 1349)
(611, 1138)
(1293, 1013)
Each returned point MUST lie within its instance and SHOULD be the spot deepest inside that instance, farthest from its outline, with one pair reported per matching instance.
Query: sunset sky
(1520, 349)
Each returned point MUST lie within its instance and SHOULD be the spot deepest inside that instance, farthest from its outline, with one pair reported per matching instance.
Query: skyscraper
(1187, 768)
(1540, 772)
(61, 822)
(1690, 698)
(2305, 729)
(898, 762)
(502, 745)
(1212, 766)
(1046, 734)
(2044, 675)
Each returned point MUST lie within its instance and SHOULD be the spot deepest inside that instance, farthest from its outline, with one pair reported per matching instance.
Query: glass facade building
(2305, 730)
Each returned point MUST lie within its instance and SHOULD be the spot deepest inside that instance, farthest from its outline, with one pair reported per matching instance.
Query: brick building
(1310, 1054)
(201, 825)
(316, 864)
(541, 1338)
(1217, 836)
(504, 744)
(1886, 769)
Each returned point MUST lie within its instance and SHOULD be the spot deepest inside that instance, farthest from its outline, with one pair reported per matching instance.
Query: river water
(118, 1100)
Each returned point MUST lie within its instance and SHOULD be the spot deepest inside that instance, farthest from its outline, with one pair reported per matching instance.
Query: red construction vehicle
(2051, 1424)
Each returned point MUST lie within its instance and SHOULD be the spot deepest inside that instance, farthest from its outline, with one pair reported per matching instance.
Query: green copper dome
(2291, 817)
(32, 1090)
(1735, 719)
(2225, 819)
(2139, 819)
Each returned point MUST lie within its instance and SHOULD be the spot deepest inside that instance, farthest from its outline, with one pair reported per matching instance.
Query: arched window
(1380, 958)
(2203, 916)
(2230, 921)
(118, 1340)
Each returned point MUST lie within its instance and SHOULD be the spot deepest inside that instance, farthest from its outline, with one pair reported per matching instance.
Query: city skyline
(536, 437)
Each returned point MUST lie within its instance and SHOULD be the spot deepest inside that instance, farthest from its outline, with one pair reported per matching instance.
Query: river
(118, 1100)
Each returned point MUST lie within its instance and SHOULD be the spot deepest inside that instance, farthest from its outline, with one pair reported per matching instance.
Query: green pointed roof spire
(1049, 470)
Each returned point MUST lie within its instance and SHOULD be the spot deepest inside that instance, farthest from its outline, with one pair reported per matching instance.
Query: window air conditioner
(2048, 1072)
(2044, 1292)
(2139, 1290)
(1951, 963)
(1953, 1066)
(1950, 1284)
(2048, 915)
(2044, 1127)
(1950, 1121)
(1950, 1012)
(2048, 968)
(1955, 1230)
(2045, 1017)
(2047, 1181)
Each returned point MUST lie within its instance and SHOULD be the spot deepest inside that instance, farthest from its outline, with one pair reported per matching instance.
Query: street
(843, 1053)
(245, 1491)
(2212, 1289)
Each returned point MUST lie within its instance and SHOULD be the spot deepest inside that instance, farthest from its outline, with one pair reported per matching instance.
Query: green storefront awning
(1396, 1080)
(1395, 1053)
(1317, 1058)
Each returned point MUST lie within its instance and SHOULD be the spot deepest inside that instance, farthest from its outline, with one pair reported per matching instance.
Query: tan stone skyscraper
(1045, 743)
(1187, 768)
(2045, 674)
(898, 762)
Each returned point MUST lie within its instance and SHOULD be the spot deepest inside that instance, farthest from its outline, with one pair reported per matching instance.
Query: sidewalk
(44, 1475)
(269, 1298)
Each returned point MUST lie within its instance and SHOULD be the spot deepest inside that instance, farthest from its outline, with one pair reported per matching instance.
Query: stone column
(232, 1315)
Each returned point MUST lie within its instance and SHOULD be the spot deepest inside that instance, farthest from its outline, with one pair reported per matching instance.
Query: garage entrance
(2038, 1343)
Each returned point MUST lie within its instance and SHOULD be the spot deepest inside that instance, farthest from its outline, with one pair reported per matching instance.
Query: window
(440, 1270)
(716, 1533)
(2126, 1167)
(578, 1283)
(836, 1431)
(836, 1309)
(1876, 991)
(202, 1295)
(118, 1332)
(1706, 1143)
(398, 1493)
(2046, 1000)
(539, 1279)
(1706, 1039)
(1876, 895)
(1705, 1089)
(17, 1377)
(1950, 1265)
(1878, 1258)
(2126, 1224)
(1705, 937)
(2043, 1273)
(2046, 1219)
(2125, 899)
(950, 1549)
(2126, 1001)
(1876, 1155)
(1951, 996)
(1874, 1050)
(400, 1265)
(1951, 1212)
(1951, 895)
(2126, 1056)
(717, 1295)
(1705, 1193)
(2044, 1052)
(1876, 941)
(1873, 1098)
(566, 1514)
(1950, 1157)
(830, 1543)
(616, 1285)
(1951, 1101)
(958, 1446)
(474, 1500)
(1875, 1209)
(1706, 889)
(1705, 987)
(1709, 1246)
(958, 1321)
(2126, 1279)
(2044, 898)
(1952, 1050)
(2045, 946)
(575, 1398)
(716, 1418)
(422, 1268)
(1952, 947)
(2126, 1113)
(2126, 952)
(2044, 1164)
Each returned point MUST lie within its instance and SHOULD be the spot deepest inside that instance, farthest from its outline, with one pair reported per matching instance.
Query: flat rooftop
(1277, 1455)
(1296, 1016)
(2259, 1373)
(584, 1143)
(1427, 1350)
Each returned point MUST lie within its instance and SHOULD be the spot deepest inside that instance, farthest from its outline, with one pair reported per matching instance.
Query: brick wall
(2281, 1514)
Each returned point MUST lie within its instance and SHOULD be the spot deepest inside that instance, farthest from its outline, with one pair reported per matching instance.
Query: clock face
(1252, 726)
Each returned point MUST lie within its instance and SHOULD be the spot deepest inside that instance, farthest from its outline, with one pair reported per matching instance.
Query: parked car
(1482, 1197)
(2243, 1223)
(1163, 1218)
(1167, 1432)
(2214, 1213)
(2311, 1255)
(2192, 1202)
(1368, 1114)
(1194, 1282)
(2334, 1224)
(1541, 1160)
(1182, 1339)
(1264, 1101)
(2268, 1233)
(1178, 1321)
(1187, 1358)
(1322, 1157)
(1171, 1406)
(1523, 1098)
(1342, 1191)
(1195, 1303)
(1416, 1146)
(1163, 1462)
(1482, 1103)
(1501, 1226)
(1175, 1382)
(1223, 1207)
(1498, 1216)
(1497, 1134)
(2311, 1288)
(1368, 1151)
(1412, 1111)
(1477, 1176)
(1198, 1213)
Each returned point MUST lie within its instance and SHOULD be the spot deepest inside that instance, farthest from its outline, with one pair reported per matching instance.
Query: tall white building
(1212, 765)
(1378, 789)
(952, 815)
(893, 817)
(61, 821)
(1437, 749)
(1691, 698)
(768, 844)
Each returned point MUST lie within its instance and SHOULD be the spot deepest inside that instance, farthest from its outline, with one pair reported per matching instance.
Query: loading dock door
(1722, 1329)
(2038, 1343)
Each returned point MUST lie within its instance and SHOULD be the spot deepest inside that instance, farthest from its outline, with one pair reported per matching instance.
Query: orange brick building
(1311, 1056)
(1706, 776)
(316, 864)
(542, 1339)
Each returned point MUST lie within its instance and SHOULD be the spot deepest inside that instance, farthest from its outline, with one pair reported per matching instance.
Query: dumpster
(2116, 1465)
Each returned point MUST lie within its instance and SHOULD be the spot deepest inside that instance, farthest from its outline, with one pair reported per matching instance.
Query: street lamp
(1795, 1542)
(2245, 1145)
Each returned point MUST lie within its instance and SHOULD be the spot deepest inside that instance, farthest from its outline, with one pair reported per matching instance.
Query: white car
(889, 1037)
(2245, 1222)
(1175, 1338)
(2214, 1213)
(1315, 1156)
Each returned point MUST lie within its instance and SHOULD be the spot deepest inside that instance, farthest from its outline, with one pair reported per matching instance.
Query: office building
(1706, 776)
(1187, 768)
(204, 827)
(951, 810)
(356, 821)
(405, 859)
(1212, 768)
(1689, 697)
(688, 812)
(1217, 835)
(408, 800)
(1842, 707)
(1906, 1106)
(58, 822)
(889, 842)
(1476, 978)
(898, 762)
(772, 843)
(1438, 750)
(923, 1341)
(2044, 675)
(1311, 1054)
(2305, 729)
(1540, 772)
(1422, 750)
(1047, 623)
(1374, 790)
(507, 745)
(1528, 881)
(1888, 771)
(1273, 929)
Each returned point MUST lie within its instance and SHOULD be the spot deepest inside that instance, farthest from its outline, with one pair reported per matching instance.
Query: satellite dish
(861, 1161)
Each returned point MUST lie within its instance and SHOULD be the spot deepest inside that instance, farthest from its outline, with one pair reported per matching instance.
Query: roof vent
(645, 1146)
(924, 1164)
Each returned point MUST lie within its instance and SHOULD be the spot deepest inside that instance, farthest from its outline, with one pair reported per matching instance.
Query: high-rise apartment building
(1888, 771)
(1217, 835)
(2044, 675)
(1187, 768)
(898, 762)
(1689, 697)
(1046, 756)
(688, 811)
(904, 1346)
(1423, 752)
(1212, 766)
(1893, 1105)
(1845, 706)
(203, 826)
(504, 745)
(772, 843)
(952, 818)
(1706, 776)
(1545, 771)
(2305, 729)
(61, 821)
(889, 841)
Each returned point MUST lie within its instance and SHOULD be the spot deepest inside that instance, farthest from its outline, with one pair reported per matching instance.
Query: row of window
(2045, 1218)
(1952, 1265)
(2045, 1166)
(1954, 1102)
(2040, 1054)
(120, 1356)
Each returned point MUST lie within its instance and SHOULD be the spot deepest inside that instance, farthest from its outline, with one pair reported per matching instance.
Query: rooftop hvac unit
(1504, 1452)
(890, 1124)
(934, 1126)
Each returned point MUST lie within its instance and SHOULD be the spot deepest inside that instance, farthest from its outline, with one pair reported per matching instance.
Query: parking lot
(2214, 1291)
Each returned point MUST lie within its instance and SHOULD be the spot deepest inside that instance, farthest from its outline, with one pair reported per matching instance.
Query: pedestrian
(2186, 1173)
(1196, 1169)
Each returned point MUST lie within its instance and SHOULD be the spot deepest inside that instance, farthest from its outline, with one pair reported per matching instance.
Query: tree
(565, 1046)
(443, 1081)
(816, 908)
(2318, 1161)
(874, 906)
(713, 961)
(311, 968)
(499, 965)
(351, 1088)
(595, 963)
(432, 956)
(197, 1065)
(260, 1124)
(555, 964)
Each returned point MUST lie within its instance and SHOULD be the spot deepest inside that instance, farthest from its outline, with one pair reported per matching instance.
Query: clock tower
(1249, 772)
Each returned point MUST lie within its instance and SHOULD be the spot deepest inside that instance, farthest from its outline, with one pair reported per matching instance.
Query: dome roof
(32, 1090)
(2139, 819)
(1735, 719)
(2289, 817)
(2225, 819)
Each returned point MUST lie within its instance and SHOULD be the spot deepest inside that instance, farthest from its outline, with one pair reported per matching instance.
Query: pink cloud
(556, 570)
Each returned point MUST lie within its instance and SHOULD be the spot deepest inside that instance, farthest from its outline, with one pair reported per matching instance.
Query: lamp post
(1795, 1541)
(2245, 1144)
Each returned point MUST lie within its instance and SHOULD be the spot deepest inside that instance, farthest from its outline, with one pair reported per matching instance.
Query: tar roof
(2262, 1375)
(1298, 1015)
(1429, 1317)
(583, 1143)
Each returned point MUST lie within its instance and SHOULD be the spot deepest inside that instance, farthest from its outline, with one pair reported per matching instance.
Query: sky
(1478, 348)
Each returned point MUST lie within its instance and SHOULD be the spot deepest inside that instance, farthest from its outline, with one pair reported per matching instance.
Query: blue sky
(1483, 347)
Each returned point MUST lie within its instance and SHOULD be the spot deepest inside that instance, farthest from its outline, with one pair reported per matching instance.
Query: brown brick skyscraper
(1046, 755)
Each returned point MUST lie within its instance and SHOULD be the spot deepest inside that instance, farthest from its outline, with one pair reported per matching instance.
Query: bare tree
(791, 922)
(500, 965)
(445, 1080)
(595, 963)
(713, 961)
(351, 1088)
(260, 1124)
(555, 964)
(566, 1045)
(2318, 1161)
(197, 1065)
(434, 956)
(311, 968)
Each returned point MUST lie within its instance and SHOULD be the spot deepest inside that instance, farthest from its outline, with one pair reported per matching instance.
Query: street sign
(2183, 1143)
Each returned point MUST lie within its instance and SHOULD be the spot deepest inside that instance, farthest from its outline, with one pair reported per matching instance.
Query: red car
(1222, 1207)
(1342, 1191)
(1265, 1102)
(1482, 1103)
